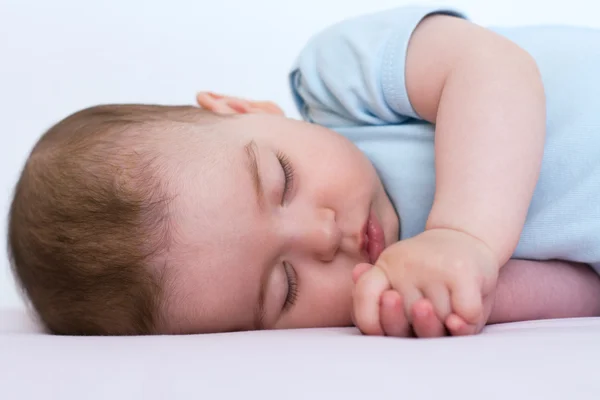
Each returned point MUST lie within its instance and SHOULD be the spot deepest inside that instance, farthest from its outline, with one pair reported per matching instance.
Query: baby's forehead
(183, 144)
(202, 170)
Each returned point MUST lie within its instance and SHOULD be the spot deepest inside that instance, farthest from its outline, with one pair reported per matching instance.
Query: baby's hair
(89, 216)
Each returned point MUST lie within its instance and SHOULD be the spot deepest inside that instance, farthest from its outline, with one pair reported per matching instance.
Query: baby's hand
(439, 278)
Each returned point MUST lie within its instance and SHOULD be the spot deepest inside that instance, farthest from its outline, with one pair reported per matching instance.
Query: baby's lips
(360, 269)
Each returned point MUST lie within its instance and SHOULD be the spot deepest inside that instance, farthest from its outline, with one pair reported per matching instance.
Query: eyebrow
(252, 164)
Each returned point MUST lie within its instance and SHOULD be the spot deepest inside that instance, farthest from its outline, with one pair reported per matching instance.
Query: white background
(61, 55)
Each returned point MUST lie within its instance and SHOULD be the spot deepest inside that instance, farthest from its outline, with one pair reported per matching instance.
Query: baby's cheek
(333, 298)
(324, 300)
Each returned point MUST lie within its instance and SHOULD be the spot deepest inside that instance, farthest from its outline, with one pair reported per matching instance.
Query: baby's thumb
(360, 269)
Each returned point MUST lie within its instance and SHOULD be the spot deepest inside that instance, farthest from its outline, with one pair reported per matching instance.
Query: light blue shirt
(350, 78)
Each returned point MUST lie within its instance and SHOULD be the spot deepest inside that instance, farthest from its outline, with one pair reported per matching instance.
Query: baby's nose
(321, 235)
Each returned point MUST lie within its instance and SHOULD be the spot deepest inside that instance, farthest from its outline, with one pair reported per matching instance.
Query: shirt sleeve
(352, 74)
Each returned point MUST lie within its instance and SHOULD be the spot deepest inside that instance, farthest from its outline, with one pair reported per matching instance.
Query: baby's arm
(486, 97)
(530, 290)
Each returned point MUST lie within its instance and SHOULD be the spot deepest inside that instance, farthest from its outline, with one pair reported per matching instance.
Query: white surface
(61, 55)
(537, 360)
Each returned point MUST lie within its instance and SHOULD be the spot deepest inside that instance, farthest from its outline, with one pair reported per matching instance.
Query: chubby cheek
(324, 301)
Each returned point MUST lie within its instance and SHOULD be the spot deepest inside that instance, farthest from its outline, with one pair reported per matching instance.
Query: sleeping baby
(445, 177)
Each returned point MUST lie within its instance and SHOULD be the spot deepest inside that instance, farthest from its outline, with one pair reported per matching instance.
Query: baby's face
(268, 224)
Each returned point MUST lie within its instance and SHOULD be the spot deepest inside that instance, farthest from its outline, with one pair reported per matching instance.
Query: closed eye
(292, 284)
(288, 171)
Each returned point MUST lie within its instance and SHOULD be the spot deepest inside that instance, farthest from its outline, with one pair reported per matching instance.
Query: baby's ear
(221, 104)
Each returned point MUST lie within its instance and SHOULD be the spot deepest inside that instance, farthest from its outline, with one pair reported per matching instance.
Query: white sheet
(533, 360)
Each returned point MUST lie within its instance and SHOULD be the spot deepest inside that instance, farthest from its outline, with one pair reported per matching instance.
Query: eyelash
(288, 171)
(292, 293)
(290, 273)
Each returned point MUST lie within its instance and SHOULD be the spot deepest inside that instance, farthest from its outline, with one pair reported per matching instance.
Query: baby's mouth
(373, 239)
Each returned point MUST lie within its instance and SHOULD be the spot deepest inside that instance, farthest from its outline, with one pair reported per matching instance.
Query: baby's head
(135, 219)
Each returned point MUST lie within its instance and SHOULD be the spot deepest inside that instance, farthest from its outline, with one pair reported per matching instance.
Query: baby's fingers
(458, 327)
(439, 296)
(359, 270)
(393, 319)
(367, 292)
(467, 302)
(426, 323)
